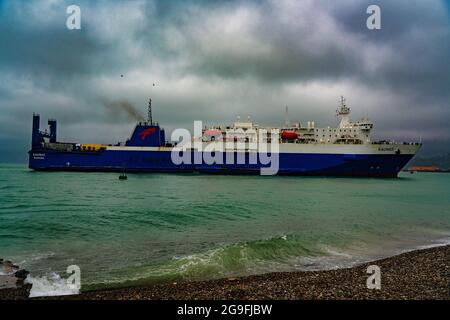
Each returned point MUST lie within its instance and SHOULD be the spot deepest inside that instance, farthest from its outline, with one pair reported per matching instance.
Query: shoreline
(418, 274)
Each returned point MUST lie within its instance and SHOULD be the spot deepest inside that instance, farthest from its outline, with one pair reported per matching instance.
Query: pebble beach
(419, 274)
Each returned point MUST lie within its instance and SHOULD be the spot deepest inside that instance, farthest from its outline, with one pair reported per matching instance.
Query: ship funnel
(35, 134)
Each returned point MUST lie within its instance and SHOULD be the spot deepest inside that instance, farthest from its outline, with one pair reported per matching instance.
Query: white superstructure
(347, 132)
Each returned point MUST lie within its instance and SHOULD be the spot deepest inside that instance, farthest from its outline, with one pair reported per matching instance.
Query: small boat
(123, 176)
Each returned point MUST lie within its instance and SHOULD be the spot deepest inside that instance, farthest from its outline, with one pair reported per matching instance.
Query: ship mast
(343, 113)
(149, 115)
(286, 118)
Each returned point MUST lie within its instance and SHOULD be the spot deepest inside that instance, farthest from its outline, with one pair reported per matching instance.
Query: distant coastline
(426, 169)
(438, 163)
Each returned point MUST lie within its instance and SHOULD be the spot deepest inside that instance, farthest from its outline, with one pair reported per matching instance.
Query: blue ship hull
(364, 165)
(147, 151)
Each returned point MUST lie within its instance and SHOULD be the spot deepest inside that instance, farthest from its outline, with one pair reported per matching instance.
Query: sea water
(155, 228)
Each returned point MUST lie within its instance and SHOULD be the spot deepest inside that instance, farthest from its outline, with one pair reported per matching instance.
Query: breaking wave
(276, 254)
(52, 285)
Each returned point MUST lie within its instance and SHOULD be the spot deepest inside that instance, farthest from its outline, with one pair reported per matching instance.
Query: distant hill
(441, 161)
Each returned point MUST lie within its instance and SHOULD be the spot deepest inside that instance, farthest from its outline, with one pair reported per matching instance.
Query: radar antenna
(343, 113)
(343, 109)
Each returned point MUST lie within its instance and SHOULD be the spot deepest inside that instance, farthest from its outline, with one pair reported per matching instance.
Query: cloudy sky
(214, 60)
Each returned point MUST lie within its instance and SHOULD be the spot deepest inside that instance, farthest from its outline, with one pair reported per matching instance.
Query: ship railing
(393, 142)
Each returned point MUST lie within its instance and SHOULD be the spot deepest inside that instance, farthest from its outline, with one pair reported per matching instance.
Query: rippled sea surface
(167, 227)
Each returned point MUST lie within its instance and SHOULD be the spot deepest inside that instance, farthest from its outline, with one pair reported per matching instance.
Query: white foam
(52, 285)
(36, 257)
(336, 252)
(436, 243)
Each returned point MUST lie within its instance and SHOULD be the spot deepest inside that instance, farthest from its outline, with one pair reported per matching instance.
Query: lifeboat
(212, 135)
(285, 134)
(212, 132)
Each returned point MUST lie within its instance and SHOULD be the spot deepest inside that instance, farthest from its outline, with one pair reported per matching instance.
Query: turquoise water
(162, 227)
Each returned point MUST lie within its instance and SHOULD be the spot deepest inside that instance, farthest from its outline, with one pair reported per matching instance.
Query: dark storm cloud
(213, 60)
(35, 46)
(410, 52)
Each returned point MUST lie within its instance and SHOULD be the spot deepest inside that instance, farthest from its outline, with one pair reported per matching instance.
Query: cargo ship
(240, 148)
